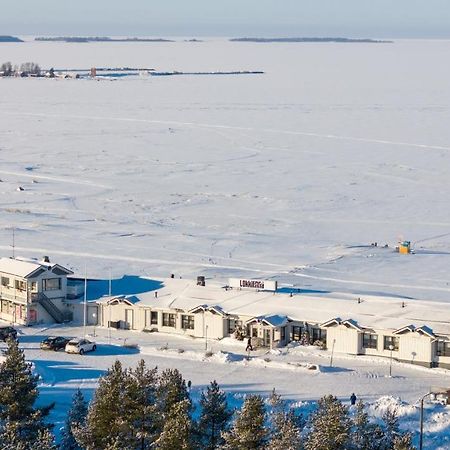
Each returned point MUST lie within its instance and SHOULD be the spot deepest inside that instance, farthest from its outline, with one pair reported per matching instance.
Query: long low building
(410, 330)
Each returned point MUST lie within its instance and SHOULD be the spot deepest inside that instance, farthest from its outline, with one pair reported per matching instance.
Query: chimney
(201, 281)
(46, 259)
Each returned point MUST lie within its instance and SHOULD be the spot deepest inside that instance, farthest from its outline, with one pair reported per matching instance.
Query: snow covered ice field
(290, 175)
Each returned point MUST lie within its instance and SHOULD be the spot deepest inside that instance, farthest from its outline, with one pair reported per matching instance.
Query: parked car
(54, 343)
(7, 332)
(80, 346)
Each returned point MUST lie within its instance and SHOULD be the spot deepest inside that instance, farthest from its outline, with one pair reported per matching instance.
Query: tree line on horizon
(142, 408)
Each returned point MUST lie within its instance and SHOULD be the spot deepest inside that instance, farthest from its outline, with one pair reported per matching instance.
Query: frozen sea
(290, 175)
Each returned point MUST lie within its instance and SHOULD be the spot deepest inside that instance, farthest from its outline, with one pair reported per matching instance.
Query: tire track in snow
(229, 127)
(135, 259)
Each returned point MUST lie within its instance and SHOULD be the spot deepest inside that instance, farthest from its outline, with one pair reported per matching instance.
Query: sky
(347, 18)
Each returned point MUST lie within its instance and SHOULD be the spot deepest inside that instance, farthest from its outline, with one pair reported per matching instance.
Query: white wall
(346, 340)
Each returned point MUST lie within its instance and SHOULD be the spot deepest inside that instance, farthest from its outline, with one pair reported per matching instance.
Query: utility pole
(13, 242)
(85, 301)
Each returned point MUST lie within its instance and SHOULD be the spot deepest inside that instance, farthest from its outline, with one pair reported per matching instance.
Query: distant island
(10, 39)
(98, 39)
(311, 39)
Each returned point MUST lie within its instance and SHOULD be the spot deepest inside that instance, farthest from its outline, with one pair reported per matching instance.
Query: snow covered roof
(27, 268)
(274, 320)
(374, 312)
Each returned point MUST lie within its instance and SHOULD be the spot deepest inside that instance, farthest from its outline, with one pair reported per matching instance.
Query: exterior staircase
(57, 315)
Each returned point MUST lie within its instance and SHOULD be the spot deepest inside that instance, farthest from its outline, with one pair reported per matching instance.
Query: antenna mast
(13, 242)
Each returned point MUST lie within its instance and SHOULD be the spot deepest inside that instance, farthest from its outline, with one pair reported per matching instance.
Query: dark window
(283, 333)
(187, 322)
(391, 340)
(370, 340)
(153, 318)
(169, 320)
(233, 324)
(319, 335)
(21, 285)
(297, 333)
(254, 332)
(52, 284)
(5, 281)
(443, 348)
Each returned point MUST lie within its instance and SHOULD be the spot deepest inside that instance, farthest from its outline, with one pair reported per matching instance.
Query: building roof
(374, 312)
(27, 268)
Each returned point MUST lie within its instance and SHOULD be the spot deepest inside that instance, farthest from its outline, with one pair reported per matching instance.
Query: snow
(290, 175)
(300, 374)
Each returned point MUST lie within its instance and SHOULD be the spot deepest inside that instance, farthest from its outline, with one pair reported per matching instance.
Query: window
(153, 318)
(5, 281)
(34, 286)
(370, 340)
(52, 284)
(443, 348)
(20, 285)
(187, 322)
(254, 332)
(169, 320)
(319, 335)
(283, 333)
(233, 324)
(391, 340)
(297, 333)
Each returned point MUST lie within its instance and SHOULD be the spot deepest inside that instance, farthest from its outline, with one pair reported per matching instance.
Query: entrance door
(266, 337)
(129, 319)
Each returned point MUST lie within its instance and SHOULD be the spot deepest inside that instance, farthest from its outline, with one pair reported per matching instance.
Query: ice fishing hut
(404, 247)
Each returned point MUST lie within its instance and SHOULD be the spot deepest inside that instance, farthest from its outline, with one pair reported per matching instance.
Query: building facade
(33, 292)
(273, 319)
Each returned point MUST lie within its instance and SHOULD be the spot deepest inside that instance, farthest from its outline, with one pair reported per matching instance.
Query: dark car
(7, 332)
(54, 343)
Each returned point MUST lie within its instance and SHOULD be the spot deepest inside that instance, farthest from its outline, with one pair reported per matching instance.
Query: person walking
(353, 399)
(249, 345)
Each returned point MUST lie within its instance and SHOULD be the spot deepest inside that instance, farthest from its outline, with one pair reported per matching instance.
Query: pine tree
(142, 406)
(330, 426)
(390, 428)
(76, 417)
(21, 423)
(177, 431)
(403, 442)
(214, 416)
(248, 431)
(171, 390)
(364, 435)
(285, 426)
(44, 441)
(107, 414)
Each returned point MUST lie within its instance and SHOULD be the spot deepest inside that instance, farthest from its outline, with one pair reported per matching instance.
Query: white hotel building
(414, 331)
(35, 292)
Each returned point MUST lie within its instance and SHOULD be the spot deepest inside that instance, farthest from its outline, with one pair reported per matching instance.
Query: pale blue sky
(371, 18)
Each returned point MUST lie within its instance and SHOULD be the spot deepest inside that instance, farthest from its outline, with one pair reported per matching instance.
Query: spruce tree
(284, 426)
(214, 416)
(177, 430)
(76, 417)
(106, 420)
(21, 423)
(330, 426)
(248, 431)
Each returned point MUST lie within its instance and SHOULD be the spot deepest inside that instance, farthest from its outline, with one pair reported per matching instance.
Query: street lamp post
(206, 338)
(94, 316)
(332, 353)
(391, 347)
(421, 420)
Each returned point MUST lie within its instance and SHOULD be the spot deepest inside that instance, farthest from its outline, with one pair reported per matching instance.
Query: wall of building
(344, 340)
